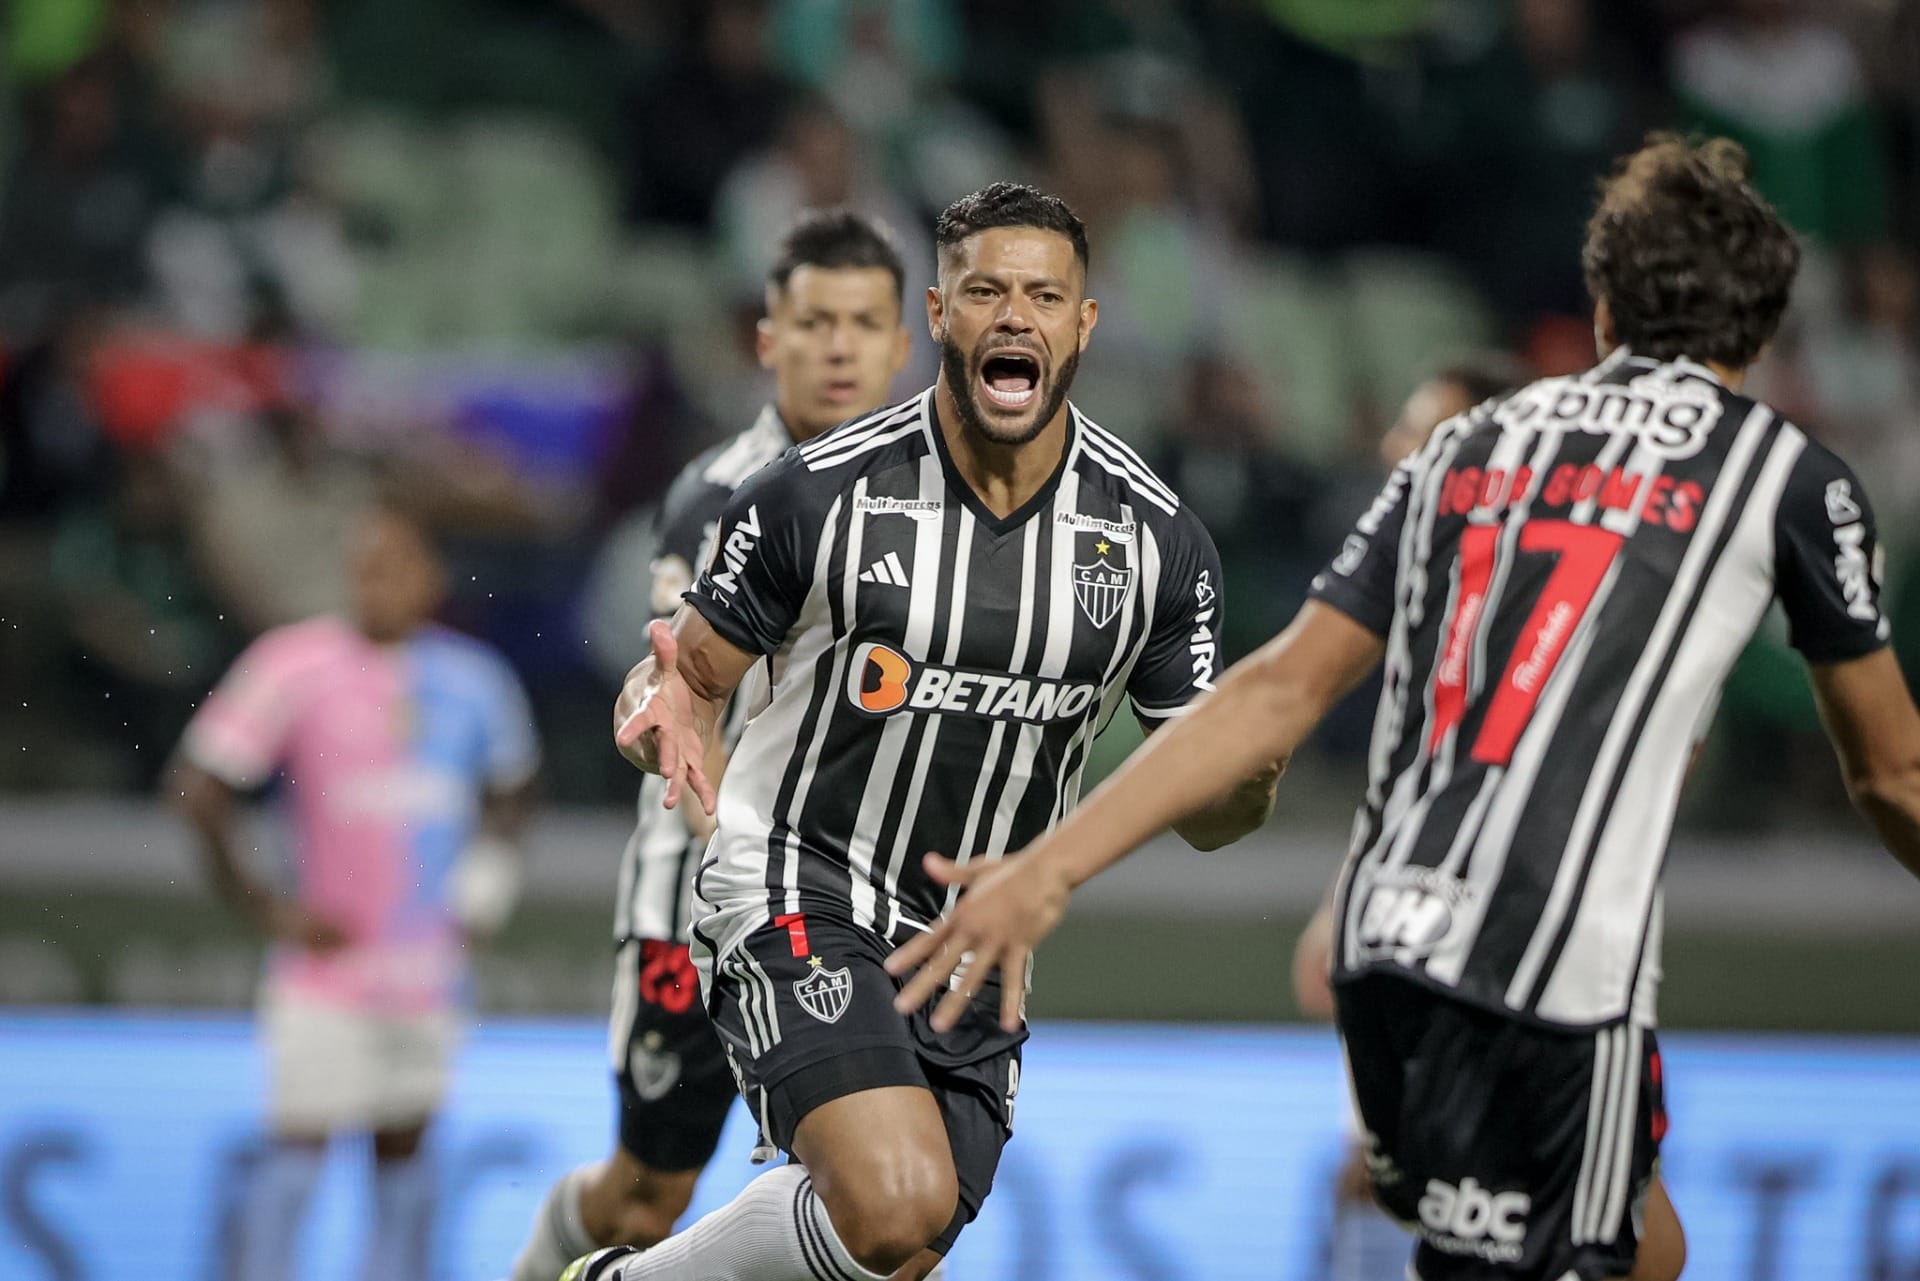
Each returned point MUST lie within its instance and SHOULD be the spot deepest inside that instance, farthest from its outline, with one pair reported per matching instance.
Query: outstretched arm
(1264, 707)
(1241, 810)
(667, 718)
(1875, 729)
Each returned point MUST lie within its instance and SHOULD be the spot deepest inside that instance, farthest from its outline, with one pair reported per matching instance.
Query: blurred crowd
(263, 261)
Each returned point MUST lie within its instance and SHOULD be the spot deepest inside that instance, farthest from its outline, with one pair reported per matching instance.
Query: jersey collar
(1679, 364)
(1042, 497)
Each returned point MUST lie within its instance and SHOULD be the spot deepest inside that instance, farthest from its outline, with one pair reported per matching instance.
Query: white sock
(1367, 1244)
(400, 1245)
(559, 1237)
(276, 1203)
(775, 1230)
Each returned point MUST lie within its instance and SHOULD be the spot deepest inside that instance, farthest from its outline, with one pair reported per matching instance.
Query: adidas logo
(888, 570)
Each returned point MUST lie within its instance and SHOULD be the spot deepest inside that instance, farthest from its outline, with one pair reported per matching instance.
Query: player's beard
(963, 379)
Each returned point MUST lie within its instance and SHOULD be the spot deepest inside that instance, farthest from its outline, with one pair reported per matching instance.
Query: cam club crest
(1101, 587)
(824, 993)
(655, 1071)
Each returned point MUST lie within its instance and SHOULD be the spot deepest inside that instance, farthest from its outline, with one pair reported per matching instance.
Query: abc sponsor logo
(1471, 1220)
(882, 681)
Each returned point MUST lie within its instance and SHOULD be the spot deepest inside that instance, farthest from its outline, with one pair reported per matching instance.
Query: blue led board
(1151, 1153)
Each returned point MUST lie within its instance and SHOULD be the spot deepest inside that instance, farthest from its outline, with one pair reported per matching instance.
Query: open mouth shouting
(1010, 379)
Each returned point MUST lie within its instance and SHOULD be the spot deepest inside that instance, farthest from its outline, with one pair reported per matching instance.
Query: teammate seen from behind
(1366, 1245)
(1558, 583)
(833, 338)
(953, 596)
(405, 754)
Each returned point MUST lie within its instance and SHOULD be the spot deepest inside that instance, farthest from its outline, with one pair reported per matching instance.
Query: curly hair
(1688, 257)
(1009, 204)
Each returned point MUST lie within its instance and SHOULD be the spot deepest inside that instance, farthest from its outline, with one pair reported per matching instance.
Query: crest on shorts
(654, 1071)
(1101, 586)
(824, 993)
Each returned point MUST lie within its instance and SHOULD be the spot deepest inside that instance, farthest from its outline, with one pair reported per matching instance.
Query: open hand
(654, 726)
(1009, 905)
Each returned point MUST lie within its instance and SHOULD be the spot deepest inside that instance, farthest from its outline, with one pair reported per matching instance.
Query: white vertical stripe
(884, 774)
(1587, 1225)
(1606, 460)
(996, 739)
(770, 1006)
(749, 996)
(1622, 1178)
(626, 1003)
(1593, 978)
(1646, 988)
(1142, 595)
(956, 622)
(1513, 787)
(1583, 1186)
(1058, 593)
(1410, 589)
(735, 885)
(1505, 456)
(1699, 551)
(1506, 551)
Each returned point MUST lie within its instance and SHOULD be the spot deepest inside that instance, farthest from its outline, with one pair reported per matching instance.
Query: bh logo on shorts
(824, 993)
(1469, 1220)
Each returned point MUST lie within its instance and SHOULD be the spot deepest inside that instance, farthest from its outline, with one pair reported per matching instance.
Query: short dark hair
(837, 237)
(1009, 204)
(1689, 258)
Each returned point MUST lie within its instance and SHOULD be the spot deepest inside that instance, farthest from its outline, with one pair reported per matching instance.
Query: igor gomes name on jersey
(1562, 580)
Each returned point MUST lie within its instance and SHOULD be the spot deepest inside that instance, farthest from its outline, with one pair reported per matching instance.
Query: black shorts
(1512, 1150)
(806, 1012)
(669, 1067)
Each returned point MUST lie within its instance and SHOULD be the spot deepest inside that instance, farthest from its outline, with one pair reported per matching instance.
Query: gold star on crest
(813, 962)
(1102, 547)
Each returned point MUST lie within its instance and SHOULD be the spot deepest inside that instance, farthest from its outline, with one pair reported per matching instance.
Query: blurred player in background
(834, 338)
(1559, 583)
(955, 595)
(406, 753)
(1366, 1244)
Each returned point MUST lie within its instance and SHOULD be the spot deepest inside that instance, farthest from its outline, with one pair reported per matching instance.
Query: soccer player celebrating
(952, 596)
(406, 753)
(1558, 583)
(1365, 1244)
(834, 338)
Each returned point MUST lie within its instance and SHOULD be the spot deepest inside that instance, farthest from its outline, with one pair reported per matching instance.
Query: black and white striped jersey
(1563, 578)
(938, 673)
(656, 868)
